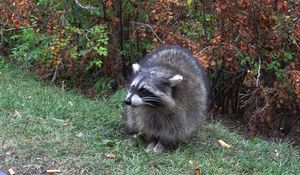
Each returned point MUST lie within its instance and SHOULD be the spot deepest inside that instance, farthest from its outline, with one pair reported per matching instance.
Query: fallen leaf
(80, 134)
(223, 144)
(110, 155)
(70, 103)
(17, 113)
(9, 153)
(53, 171)
(11, 171)
(276, 153)
(197, 171)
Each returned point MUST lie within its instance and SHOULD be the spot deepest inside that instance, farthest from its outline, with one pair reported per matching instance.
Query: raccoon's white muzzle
(133, 100)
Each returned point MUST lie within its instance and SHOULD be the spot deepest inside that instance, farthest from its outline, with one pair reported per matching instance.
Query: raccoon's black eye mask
(144, 93)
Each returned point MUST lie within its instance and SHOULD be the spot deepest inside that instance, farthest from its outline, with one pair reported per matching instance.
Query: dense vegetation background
(250, 48)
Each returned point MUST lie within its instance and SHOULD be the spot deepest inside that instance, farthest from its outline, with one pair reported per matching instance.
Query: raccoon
(166, 97)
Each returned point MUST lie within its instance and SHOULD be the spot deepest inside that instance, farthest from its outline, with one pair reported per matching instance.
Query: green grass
(42, 127)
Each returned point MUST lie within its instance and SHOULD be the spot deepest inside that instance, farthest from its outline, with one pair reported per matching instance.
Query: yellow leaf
(53, 171)
(223, 144)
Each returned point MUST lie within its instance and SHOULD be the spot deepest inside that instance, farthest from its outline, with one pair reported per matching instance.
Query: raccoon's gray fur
(166, 97)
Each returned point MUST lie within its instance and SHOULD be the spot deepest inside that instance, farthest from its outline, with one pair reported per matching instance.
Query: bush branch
(87, 7)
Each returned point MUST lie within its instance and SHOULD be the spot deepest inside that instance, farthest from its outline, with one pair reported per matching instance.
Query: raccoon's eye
(143, 90)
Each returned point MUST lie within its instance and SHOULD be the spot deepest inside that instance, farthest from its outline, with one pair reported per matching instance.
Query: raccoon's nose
(127, 101)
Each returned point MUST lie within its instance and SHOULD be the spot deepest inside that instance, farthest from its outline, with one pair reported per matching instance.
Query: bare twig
(226, 88)
(149, 26)
(87, 7)
(202, 50)
(11, 29)
(204, 18)
(64, 14)
(55, 72)
(1, 36)
(54, 75)
(257, 37)
(248, 98)
(195, 13)
(258, 71)
(86, 34)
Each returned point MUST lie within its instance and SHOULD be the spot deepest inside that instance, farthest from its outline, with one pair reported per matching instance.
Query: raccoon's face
(151, 87)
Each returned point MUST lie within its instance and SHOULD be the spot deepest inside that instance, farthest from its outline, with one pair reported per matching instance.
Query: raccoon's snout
(133, 100)
(127, 101)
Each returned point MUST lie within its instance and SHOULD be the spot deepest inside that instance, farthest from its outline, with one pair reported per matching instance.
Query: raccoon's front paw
(155, 147)
(150, 147)
(159, 148)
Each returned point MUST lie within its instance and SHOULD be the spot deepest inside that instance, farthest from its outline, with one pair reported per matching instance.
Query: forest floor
(44, 128)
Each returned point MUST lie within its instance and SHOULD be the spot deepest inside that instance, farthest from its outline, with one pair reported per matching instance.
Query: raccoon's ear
(173, 81)
(136, 67)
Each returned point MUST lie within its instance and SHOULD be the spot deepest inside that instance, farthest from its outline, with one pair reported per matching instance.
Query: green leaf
(288, 55)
